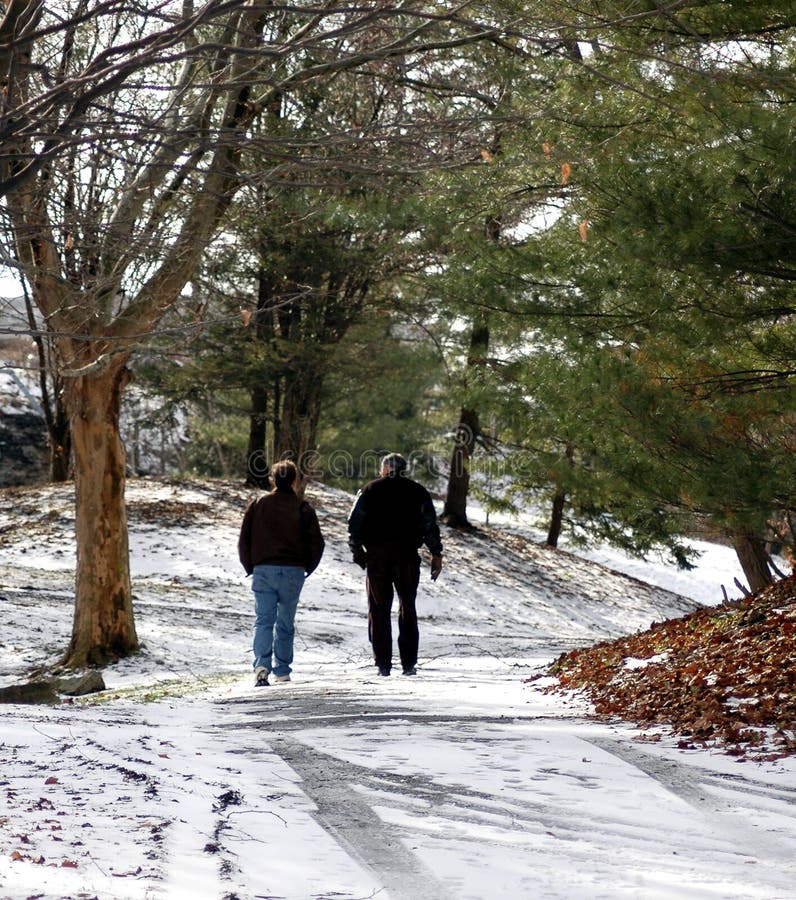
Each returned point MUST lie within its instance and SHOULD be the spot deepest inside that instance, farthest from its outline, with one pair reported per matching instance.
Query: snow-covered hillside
(183, 539)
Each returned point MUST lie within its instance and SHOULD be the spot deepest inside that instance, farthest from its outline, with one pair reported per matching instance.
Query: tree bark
(753, 559)
(60, 437)
(257, 454)
(454, 512)
(469, 428)
(559, 503)
(256, 459)
(556, 518)
(103, 628)
(52, 401)
(301, 408)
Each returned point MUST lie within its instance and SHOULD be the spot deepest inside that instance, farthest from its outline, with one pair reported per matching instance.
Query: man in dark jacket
(391, 517)
(280, 543)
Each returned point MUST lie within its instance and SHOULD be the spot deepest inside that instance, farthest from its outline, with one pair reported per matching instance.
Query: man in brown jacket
(280, 544)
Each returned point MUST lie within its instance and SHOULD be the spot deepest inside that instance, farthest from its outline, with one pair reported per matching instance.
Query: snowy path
(429, 791)
(460, 784)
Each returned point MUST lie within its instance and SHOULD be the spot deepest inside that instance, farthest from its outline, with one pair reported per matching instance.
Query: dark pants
(393, 568)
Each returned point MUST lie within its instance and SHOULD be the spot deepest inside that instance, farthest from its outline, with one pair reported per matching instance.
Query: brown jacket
(280, 530)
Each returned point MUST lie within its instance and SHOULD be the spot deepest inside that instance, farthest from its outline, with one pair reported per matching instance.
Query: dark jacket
(394, 510)
(280, 530)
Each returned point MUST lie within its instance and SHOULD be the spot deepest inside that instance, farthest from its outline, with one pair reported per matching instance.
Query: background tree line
(548, 243)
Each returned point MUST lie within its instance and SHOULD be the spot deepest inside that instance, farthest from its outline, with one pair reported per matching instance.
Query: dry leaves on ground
(724, 676)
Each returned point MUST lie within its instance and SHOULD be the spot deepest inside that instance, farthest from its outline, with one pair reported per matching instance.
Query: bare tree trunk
(60, 435)
(753, 559)
(256, 459)
(468, 431)
(53, 405)
(559, 503)
(103, 627)
(276, 420)
(56, 416)
(556, 518)
(301, 410)
(454, 512)
(257, 453)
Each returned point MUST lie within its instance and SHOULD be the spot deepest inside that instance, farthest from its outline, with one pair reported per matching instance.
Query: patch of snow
(631, 662)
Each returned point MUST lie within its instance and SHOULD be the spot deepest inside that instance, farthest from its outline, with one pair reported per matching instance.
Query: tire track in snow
(350, 819)
(703, 791)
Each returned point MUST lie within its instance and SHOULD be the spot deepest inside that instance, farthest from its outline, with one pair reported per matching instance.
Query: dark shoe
(260, 677)
(410, 670)
(383, 670)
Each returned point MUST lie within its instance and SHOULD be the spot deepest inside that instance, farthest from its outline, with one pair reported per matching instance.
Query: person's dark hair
(394, 463)
(284, 474)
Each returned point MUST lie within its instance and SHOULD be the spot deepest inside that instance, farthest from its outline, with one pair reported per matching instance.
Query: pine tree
(668, 317)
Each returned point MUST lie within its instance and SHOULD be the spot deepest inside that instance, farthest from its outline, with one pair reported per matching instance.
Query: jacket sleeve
(313, 539)
(431, 536)
(356, 524)
(245, 540)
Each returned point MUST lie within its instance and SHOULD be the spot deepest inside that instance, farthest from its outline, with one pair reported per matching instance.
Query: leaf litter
(723, 676)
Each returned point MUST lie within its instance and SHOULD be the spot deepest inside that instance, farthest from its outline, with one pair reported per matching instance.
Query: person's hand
(436, 567)
(360, 557)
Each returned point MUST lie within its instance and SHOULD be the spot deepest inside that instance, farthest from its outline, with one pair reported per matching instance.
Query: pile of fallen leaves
(723, 676)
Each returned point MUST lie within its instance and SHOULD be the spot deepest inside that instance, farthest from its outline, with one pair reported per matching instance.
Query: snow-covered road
(461, 785)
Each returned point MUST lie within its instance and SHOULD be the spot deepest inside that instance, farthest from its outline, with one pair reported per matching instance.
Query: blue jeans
(276, 596)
